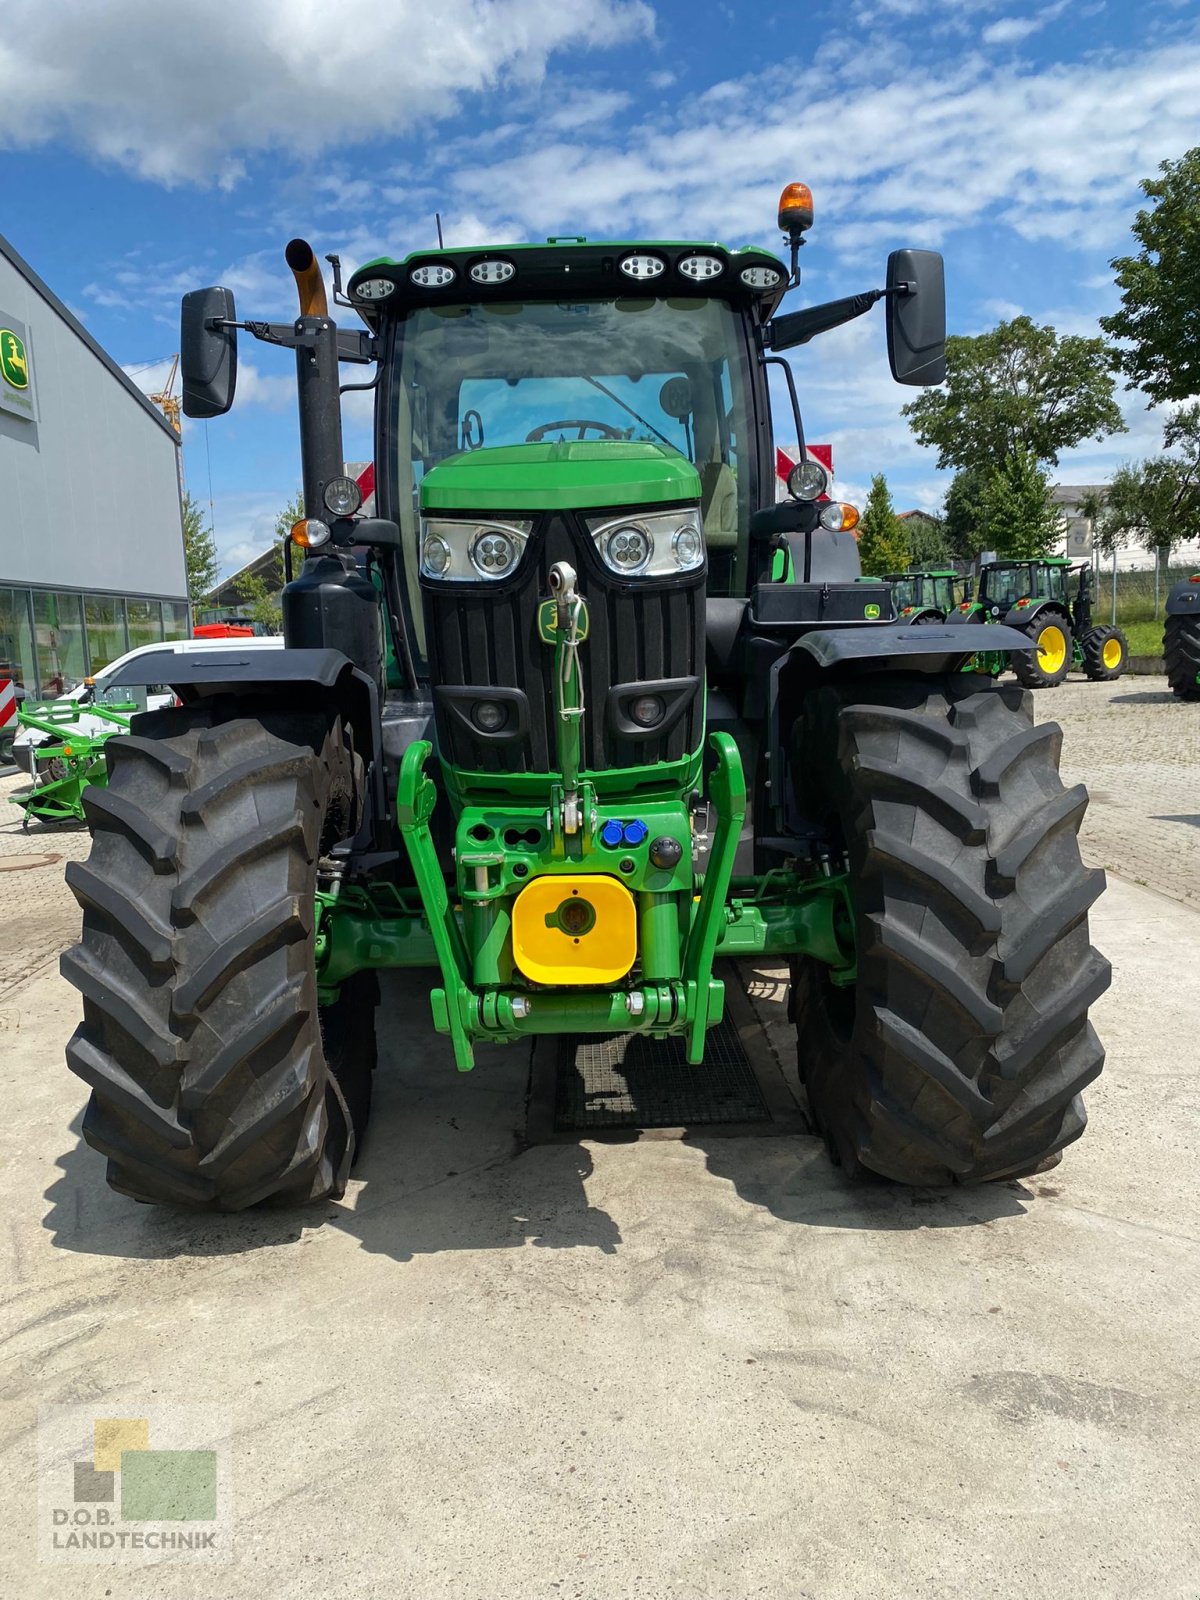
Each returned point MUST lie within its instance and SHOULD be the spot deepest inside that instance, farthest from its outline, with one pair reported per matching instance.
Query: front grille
(488, 638)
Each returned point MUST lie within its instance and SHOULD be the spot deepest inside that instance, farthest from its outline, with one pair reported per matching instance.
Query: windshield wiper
(596, 384)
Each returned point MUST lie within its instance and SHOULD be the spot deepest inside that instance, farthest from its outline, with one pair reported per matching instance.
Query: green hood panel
(575, 475)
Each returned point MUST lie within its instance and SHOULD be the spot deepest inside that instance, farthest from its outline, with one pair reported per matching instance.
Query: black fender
(899, 646)
(917, 614)
(1184, 598)
(1035, 612)
(301, 679)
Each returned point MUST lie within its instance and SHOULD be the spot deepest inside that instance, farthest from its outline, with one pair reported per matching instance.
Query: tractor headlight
(808, 480)
(655, 546)
(470, 550)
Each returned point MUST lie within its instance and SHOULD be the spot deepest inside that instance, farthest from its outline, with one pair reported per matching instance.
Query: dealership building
(91, 530)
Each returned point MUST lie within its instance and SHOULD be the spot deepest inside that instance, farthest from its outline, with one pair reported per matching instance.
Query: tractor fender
(973, 613)
(1035, 611)
(296, 678)
(1184, 599)
(914, 614)
(895, 646)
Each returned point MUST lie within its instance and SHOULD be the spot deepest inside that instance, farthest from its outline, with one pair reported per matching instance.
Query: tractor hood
(572, 475)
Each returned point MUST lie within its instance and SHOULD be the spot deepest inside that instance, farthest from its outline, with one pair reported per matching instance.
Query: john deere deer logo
(14, 366)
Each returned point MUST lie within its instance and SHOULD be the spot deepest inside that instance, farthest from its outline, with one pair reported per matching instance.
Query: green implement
(74, 761)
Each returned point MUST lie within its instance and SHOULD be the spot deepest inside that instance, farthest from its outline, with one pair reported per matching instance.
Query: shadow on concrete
(444, 1166)
(1144, 697)
(793, 1179)
(1192, 821)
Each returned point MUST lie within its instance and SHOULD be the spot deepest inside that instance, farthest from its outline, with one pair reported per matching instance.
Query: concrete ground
(698, 1368)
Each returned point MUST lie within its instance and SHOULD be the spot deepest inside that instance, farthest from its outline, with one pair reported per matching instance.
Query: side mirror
(916, 321)
(207, 354)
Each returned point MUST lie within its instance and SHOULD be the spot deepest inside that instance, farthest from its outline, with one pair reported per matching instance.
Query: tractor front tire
(1181, 655)
(1050, 661)
(1105, 653)
(217, 1083)
(959, 1053)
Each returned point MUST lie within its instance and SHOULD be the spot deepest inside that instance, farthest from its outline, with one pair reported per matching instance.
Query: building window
(16, 640)
(58, 630)
(145, 622)
(105, 617)
(175, 619)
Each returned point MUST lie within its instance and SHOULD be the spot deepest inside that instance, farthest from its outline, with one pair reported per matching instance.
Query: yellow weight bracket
(574, 930)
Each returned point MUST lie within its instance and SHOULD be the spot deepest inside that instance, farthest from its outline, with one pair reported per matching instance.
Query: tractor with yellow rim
(1038, 597)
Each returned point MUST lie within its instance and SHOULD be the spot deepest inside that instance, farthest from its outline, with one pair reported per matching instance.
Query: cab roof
(569, 266)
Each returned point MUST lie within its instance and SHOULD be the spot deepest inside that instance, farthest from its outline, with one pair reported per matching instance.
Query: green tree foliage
(1159, 316)
(928, 544)
(1019, 388)
(1016, 518)
(961, 513)
(882, 541)
(1156, 503)
(199, 550)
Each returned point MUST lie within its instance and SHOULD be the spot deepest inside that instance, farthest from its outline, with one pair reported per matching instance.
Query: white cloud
(1012, 30)
(184, 92)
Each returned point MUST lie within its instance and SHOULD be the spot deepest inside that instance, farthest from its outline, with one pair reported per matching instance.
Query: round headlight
(375, 289)
(342, 496)
(489, 716)
(688, 547)
(433, 275)
(760, 277)
(628, 549)
(493, 553)
(702, 268)
(435, 555)
(492, 272)
(642, 266)
(647, 711)
(807, 480)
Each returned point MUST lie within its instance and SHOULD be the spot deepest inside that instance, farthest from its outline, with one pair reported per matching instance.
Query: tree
(928, 545)
(961, 515)
(1016, 517)
(1159, 317)
(882, 541)
(1156, 503)
(199, 551)
(1017, 388)
(260, 593)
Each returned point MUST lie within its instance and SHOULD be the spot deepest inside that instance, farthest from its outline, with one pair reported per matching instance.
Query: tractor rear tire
(1105, 653)
(1181, 654)
(217, 1082)
(959, 1053)
(1049, 663)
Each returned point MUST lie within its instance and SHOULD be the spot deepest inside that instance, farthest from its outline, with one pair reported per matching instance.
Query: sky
(146, 149)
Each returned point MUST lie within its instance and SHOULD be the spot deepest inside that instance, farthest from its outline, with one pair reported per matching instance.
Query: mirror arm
(798, 327)
(360, 347)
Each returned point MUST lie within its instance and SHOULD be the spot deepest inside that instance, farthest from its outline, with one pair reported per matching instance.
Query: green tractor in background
(1181, 638)
(927, 596)
(1035, 596)
(549, 727)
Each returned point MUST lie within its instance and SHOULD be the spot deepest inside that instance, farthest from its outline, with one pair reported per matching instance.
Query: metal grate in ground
(628, 1081)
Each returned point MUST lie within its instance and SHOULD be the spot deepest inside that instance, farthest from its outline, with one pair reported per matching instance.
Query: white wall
(89, 493)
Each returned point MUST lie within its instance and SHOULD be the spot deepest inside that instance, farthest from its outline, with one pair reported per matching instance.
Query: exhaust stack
(309, 284)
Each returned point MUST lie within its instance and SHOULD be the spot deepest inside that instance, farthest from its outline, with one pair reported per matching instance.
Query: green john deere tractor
(929, 596)
(546, 726)
(1036, 597)
(1181, 638)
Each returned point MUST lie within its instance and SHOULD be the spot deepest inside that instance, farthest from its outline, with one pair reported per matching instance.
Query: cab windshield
(468, 377)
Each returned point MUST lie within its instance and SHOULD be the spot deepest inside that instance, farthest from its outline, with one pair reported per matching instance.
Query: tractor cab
(925, 595)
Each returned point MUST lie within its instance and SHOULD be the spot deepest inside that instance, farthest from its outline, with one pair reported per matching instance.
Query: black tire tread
(1025, 663)
(1091, 646)
(1181, 656)
(202, 1038)
(965, 1050)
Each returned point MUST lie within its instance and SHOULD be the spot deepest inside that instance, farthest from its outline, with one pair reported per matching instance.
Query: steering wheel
(536, 435)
